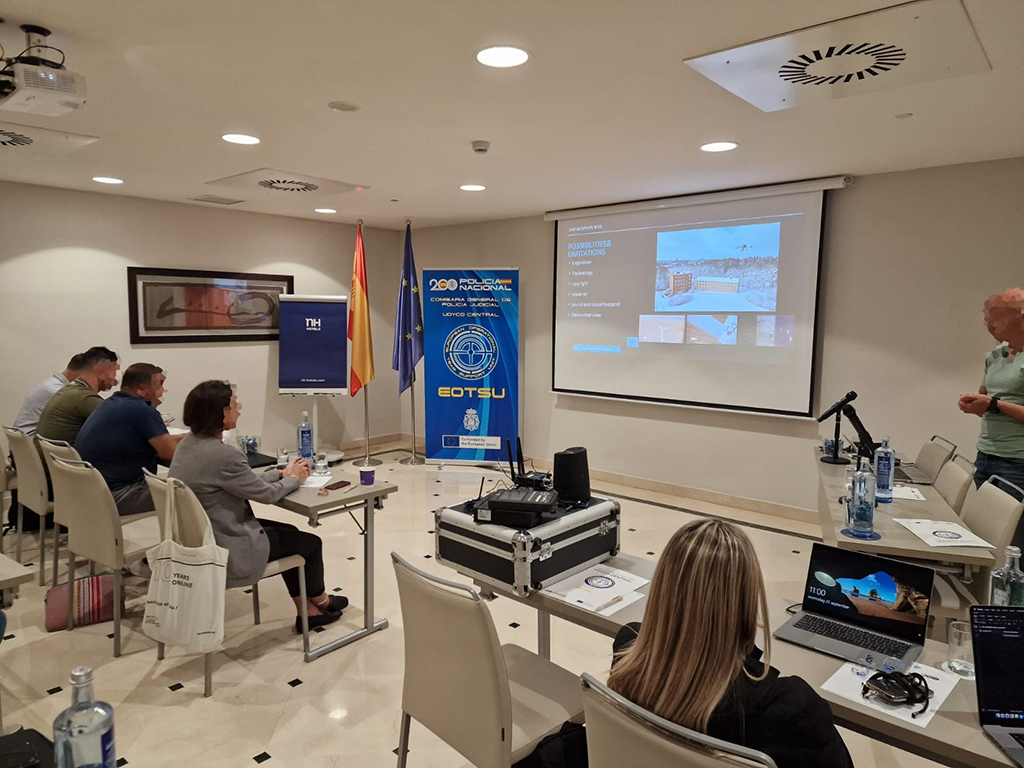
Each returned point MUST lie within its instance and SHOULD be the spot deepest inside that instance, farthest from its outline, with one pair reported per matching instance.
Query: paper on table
(850, 678)
(316, 481)
(907, 492)
(596, 588)
(936, 533)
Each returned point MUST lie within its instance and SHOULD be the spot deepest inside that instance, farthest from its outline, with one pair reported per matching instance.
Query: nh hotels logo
(313, 324)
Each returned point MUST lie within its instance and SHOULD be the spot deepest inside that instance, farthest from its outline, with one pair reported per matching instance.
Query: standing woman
(694, 660)
(221, 479)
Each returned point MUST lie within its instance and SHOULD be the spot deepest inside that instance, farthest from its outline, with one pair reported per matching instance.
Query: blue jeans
(1012, 470)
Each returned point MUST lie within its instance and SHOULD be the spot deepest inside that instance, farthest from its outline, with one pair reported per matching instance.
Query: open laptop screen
(999, 665)
(871, 592)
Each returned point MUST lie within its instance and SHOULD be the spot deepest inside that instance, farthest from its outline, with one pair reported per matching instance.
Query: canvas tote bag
(185, 604)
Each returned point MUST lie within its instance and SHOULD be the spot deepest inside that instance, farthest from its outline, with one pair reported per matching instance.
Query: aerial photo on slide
(718, 269)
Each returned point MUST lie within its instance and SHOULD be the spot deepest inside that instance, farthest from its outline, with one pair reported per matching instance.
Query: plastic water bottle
(305, 430)
(884, 459)
(83, 735)
(862, 501)
(1008, 581)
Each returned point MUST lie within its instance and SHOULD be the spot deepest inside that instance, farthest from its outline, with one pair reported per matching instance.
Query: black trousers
(286, 540)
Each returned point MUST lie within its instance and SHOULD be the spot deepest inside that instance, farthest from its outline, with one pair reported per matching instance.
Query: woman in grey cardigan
(221, 479)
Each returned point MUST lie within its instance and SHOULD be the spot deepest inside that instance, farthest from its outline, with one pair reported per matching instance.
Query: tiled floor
(270, 708)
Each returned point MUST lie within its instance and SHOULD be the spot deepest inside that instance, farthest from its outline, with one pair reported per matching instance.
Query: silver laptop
(866, 609)
(998, 632)
(909, 473)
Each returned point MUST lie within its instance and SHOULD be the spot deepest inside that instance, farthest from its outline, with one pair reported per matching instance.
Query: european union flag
(450, 441)
(408, 348)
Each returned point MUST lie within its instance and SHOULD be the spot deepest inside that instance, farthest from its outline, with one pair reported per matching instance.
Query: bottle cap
(1013, 551)
(81, 675)
(305, 415)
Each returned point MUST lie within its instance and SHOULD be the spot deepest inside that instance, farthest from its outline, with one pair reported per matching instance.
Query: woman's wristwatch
(993, 405)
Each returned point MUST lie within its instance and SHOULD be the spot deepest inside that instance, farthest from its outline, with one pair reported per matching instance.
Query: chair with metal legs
(63, 450)
(192, 526)
(33, 492)
(8, 477)
(96, 532)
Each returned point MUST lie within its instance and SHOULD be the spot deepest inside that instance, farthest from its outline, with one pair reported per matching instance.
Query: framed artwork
(169, 306)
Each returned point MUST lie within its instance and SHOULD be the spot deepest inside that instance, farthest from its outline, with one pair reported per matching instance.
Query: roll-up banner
(471, 363)
(313, 349)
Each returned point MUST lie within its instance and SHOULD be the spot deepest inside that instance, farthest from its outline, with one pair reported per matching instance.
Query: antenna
(481, 493)
(519, 447)
(511, 463)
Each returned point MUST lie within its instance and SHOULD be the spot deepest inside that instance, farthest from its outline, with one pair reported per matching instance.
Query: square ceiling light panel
(18, 140)
(286, 184)
(918, 42)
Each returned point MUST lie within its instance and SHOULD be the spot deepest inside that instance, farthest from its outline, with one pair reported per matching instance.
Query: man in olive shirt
(64, 415)
(1000, 399)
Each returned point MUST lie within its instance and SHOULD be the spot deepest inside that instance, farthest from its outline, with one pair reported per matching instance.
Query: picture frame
(175, 306)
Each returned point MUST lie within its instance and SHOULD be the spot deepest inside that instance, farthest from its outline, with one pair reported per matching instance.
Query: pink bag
(94, 603)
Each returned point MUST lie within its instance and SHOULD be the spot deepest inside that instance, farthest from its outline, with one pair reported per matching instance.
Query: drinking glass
(961, 650)
(282, 455)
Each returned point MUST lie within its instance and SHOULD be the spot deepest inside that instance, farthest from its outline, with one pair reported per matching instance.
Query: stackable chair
(95, 531)
(492, 703)
(193, 524)
(953, 482)
(934, 454)
(8, 477)
(619, 733)
(33, 492)
(63, 450)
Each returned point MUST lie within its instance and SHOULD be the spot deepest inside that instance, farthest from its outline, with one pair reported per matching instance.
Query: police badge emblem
(471, 421)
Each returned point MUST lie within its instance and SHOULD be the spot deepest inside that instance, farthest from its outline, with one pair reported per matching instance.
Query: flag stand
(367, 460)
(414, 460)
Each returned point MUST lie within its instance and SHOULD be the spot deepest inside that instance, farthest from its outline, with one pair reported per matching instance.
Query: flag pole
(414, 460)
(367, 460)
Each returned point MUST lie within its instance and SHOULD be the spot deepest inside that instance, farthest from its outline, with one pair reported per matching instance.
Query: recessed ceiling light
(502, 56)
(343, 106)
(719, 146)
(472, 187)
(240, 138)
(107, 180)
(904, 115)
(324, 210)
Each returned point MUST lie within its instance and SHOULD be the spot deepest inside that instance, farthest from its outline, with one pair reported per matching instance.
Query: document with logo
(597, 588)
(936, 533)
(849, 681)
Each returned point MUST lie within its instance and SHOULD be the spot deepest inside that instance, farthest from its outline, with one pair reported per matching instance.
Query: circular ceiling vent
(842, 64)
(289, 185)
(12, 139)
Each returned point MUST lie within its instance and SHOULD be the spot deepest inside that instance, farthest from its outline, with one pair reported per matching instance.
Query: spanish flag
(359, 321)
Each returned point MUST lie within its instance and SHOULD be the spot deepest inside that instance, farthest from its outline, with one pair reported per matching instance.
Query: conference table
(953, 737)
(895, 540)
(311, 504)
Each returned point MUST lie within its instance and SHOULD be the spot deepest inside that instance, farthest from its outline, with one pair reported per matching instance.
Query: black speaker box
(572, 475)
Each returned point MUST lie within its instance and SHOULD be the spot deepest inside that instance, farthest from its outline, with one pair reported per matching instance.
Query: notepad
(937, 533)
(598, 588)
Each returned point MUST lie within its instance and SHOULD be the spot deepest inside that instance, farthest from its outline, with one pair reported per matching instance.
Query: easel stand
(318, 468)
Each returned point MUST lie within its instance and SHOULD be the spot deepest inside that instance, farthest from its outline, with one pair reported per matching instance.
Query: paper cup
(366, 476)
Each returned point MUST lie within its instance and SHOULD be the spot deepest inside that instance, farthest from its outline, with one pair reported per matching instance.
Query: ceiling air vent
(906, 44)
(216, 200)
(267, 181)
(13, 139)
(842, 64)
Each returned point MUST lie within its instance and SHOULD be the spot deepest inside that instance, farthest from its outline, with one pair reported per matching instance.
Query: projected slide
(710, 305)
(719, 269)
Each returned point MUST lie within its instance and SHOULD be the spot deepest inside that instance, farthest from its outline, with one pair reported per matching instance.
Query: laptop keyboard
(847, 634)
(1019, 738)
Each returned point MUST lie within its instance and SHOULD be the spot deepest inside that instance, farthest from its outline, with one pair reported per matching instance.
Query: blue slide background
(446, 416)
(308, 359)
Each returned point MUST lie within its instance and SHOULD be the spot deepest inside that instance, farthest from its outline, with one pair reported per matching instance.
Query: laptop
(997, 633)
(909, 473)
(862, 608)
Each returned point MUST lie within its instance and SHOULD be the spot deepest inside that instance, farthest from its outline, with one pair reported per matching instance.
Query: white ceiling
(605, 111)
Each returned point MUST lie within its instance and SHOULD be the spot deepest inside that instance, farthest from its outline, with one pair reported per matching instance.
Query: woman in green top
(1000, 399)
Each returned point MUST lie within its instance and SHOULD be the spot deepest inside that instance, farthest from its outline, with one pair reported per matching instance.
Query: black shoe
(336, 604)
(316, 621)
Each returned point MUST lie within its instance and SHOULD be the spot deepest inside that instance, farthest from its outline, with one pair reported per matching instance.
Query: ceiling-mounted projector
(32, 83)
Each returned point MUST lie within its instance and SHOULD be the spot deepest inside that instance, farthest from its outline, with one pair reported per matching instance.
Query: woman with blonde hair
(694, 659)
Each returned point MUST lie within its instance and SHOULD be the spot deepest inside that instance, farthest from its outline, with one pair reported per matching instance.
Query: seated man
(126, 434)
(36, 400)
(67, 410)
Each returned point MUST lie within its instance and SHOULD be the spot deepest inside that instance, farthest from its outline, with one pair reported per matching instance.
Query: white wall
(63, 288)
(908, 260)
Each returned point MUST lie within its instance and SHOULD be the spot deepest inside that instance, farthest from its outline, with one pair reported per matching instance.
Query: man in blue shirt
(127, 434)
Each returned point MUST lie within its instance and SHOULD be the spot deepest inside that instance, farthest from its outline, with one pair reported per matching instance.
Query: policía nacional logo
(471, 421)
(470, 352)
